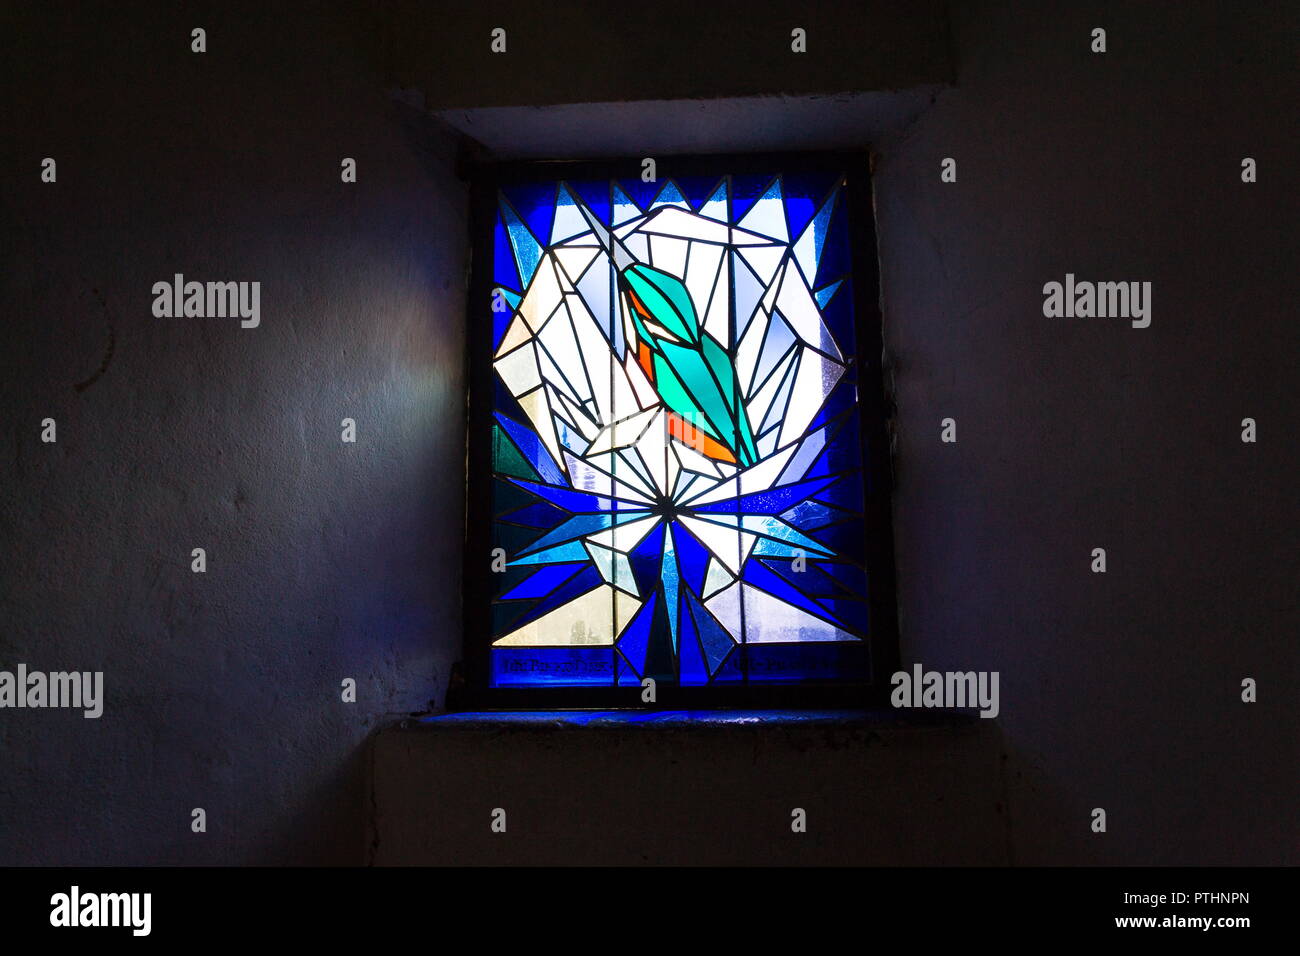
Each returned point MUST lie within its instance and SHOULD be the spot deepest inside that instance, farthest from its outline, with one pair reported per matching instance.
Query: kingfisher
(688, 368)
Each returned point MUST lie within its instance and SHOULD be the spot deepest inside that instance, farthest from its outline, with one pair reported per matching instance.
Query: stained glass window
(677, 453)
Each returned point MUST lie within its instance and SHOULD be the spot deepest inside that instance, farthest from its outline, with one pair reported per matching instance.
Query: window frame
(486, 179)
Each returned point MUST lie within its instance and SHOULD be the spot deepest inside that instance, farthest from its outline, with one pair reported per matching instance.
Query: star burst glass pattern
(677, 457)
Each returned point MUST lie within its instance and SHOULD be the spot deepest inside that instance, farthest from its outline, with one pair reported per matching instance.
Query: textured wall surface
(1119, 690)
(325, 560)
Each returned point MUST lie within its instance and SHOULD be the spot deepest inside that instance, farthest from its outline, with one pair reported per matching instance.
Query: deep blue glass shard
(506, 404)
(535, 203)
(850, 576)
(627, 676)
(805, 194)
(551, 666)
(595, 196)
(661, 657)
(505, 273)
(669, 195)
(697, 189)
(646, 560)
(837, 314)
(809, 515)
(798, 212)
(692, 558)
(691, 668)
(836, 258)
(506, 497)
(580, 526)
(745, 191)
(537, 515)
(766, 228)
(812, 582)
(762, 577)
(576, 586)
(776, 536)
(642, 194)
(715, 641)
(851, 612)
(843, 398)
(732, 669)
(766, 502)
(837, 493)
(542, 581)
(527, 250)
(578, 501)
(636, 636)
(809, 246)
(533, 449)
(824, 295)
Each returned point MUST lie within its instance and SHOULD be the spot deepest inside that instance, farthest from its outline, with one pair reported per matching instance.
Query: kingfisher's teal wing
(690, 370)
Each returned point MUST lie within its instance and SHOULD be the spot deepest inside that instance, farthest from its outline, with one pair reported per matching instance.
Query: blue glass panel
(697, 189)
(759, 575)
(596, 197)
(537, 515)
(536, 204)
(642, 194)
(745, 191)
(691, 668)
(836, 259)
(636, 636)
(824, 295)
(504, 271)
(805, 194)
(692, 558)
(533, 449)
(668, 195)
(766, 502)
(627, 676)
(809, 515)
(555, 666)
(527, 250)
(837, 313)
(542, 581)
(716, 642)
(577, 501)
(576, 586)
(853, 578)
(646, 560)
(580, 526)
